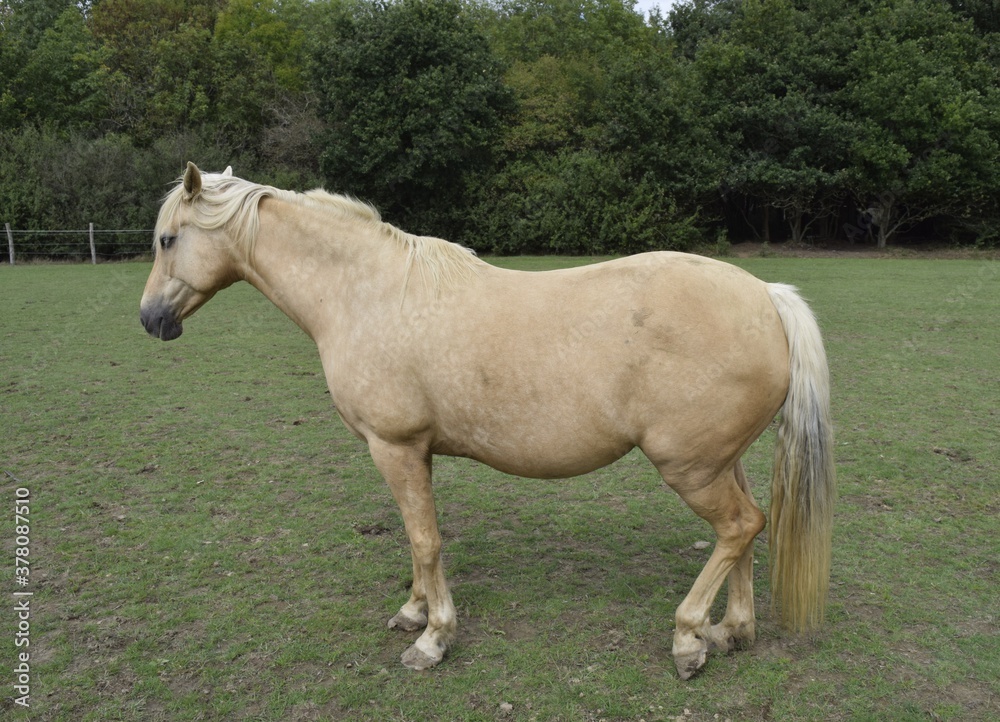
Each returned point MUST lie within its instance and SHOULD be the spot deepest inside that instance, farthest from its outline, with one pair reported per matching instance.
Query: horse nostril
(160, 323)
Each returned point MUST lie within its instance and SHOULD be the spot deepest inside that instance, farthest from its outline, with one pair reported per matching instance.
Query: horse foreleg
(412, 616)
(408, 473)
(736, 520)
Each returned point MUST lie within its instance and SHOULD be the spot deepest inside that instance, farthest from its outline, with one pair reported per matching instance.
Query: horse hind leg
(737, 628)
(726, 504)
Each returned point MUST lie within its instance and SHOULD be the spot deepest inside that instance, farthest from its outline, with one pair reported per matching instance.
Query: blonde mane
(233, 203)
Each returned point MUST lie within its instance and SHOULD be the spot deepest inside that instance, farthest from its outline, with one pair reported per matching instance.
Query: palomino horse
(429, 350)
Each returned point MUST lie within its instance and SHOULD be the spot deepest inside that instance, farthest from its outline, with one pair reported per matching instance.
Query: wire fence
(87, 244)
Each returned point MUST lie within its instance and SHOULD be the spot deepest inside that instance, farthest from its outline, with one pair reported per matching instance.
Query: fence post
(10, 242)
(93, 250)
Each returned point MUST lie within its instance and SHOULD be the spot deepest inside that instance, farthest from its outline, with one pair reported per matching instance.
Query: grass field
(207, 542)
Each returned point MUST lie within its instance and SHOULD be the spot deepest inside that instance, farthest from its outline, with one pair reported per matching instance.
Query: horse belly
(526, 449)
(539, 418)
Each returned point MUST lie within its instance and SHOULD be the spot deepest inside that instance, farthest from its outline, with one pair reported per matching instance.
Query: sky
(644, 6)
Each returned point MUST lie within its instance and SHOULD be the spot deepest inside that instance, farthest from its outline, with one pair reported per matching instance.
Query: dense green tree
(518, 125)
(770, 76)
(696, 22)
(259, 50)
(23, 22)
(527, 30)
(161, 69)
(53, 179)
(871, 111)
(595, 153)
(414, 102)
(655, 114)
(558, 54)
(927, 106)
(581, 202)
(51, 66)
(985, 14)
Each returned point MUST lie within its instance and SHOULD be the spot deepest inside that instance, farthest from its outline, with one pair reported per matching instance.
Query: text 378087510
(22, 599)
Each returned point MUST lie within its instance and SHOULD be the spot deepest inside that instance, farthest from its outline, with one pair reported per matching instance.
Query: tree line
(518, 126)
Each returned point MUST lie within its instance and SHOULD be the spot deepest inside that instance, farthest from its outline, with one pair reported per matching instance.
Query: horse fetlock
(722, 641)
(727, 637)
(408, 622)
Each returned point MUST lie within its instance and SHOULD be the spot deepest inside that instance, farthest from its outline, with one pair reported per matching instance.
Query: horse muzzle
(160, 322)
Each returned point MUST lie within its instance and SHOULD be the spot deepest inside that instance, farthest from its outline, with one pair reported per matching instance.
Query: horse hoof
(688, 664)
(407, 624)
(414, 658)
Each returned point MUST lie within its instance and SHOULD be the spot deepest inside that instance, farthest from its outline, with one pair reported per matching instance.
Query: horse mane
(233, 203)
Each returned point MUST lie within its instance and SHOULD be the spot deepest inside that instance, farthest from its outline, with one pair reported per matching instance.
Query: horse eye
(166, 241)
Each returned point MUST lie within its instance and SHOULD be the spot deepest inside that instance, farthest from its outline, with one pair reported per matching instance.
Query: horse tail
(803, 487)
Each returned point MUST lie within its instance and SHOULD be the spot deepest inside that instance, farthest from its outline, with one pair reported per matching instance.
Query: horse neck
(314, 263)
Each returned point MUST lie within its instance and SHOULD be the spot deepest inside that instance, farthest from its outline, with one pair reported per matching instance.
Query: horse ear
(228, 172)
(192, 181)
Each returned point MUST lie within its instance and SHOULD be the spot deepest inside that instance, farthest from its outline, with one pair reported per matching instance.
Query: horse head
(193, 256)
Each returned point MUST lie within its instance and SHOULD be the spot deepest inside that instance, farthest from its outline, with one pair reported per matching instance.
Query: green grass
(208, 542)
